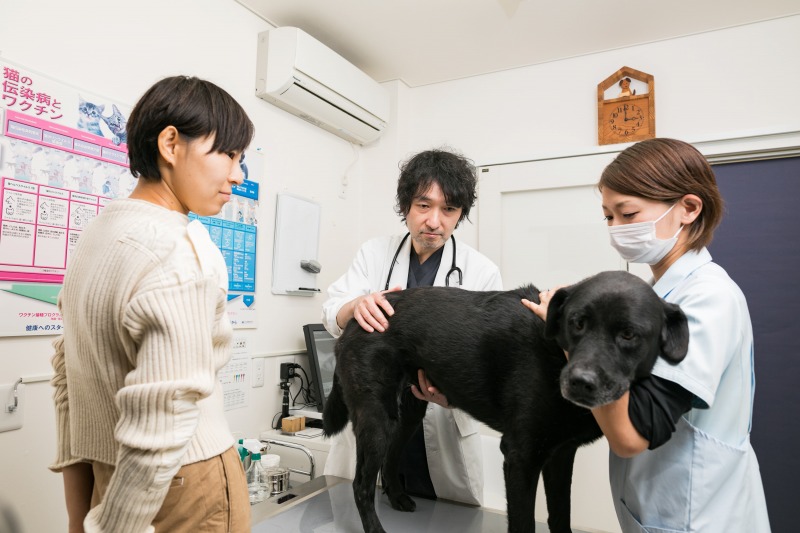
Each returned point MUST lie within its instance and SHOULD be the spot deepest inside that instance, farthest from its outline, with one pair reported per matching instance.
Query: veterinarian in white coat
(435, 192)
(682, 459)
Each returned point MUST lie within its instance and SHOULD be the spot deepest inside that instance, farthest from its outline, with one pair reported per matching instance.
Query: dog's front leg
(521, 470)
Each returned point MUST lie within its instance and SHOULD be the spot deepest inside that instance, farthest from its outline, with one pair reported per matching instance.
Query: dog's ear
(675, 335)
(555, 311)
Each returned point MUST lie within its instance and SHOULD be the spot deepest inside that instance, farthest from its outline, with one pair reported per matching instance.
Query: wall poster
(63, 158)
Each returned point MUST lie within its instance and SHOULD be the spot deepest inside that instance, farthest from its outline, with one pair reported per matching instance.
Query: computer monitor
(321, 361)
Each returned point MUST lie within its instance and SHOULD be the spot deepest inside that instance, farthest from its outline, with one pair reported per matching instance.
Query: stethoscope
(453, 267)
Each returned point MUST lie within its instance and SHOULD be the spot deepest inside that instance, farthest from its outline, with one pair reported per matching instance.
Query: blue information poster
(234, 232)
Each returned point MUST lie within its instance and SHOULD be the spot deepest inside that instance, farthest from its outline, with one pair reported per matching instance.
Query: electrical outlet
(240, 344)
(287, 371)
(258, 372)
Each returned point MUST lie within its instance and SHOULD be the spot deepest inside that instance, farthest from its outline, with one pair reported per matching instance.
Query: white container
(270, 460)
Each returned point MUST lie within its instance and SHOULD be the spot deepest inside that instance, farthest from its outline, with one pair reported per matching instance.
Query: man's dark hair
(455, 174)
(196, 108)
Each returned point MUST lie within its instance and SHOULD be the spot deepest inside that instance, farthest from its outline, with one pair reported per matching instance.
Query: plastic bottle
(244, 454)
(252, 445)
(256, 480)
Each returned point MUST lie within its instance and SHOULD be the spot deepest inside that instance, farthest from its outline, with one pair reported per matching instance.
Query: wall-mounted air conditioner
(297, 73)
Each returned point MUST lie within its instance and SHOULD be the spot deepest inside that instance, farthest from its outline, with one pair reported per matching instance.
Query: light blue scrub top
(706, 477)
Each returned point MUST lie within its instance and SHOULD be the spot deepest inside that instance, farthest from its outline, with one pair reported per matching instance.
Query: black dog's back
(479, 348)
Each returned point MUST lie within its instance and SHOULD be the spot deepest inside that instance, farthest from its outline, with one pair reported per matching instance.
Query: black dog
(494, 359)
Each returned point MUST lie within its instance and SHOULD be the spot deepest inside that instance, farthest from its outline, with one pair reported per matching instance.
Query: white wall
(712, 85)
(708, 86)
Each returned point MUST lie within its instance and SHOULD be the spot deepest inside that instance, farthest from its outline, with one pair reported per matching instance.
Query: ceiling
(429, 41)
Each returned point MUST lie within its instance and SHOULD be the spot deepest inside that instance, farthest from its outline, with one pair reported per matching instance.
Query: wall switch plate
(11, 419)
(258, 372)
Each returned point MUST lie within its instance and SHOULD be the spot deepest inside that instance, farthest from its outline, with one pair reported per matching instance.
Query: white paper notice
(233, 376)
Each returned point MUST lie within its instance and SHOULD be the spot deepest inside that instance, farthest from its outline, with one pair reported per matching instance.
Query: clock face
(625, 119)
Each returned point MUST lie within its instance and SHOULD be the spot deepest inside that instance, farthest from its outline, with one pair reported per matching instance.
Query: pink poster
(63, 157)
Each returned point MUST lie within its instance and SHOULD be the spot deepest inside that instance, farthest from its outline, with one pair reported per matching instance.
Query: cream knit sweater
(145, 332)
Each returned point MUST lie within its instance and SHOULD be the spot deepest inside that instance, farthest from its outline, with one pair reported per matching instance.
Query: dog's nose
(583, 382)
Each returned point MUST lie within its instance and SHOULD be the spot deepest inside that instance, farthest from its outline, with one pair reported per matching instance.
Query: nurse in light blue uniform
(706, 477)
(681, 456)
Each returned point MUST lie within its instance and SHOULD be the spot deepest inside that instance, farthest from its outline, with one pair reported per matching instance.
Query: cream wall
(713, 85)
(708, 86)
(718, 85)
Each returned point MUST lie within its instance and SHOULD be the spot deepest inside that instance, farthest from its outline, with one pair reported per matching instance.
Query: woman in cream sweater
(143, 443)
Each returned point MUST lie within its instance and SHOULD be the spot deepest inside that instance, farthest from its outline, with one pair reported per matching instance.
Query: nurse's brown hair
(666, 170)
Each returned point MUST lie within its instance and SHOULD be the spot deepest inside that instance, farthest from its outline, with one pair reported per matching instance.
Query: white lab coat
(452, 441)
(706, 477)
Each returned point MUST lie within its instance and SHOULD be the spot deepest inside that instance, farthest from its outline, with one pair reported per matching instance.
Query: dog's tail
(335, 414)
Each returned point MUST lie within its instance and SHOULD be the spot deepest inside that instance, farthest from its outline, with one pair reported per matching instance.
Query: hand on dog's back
(371, 310)
(540, 308)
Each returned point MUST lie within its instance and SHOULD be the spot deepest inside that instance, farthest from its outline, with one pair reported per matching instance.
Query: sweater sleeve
(64, 455)
(174, 368)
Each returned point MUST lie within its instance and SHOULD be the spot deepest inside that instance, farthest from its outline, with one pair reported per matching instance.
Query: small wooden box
(293, 424)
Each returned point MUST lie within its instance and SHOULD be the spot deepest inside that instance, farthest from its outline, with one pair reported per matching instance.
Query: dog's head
(613, 326)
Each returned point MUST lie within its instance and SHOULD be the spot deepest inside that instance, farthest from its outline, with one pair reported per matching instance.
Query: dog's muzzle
(588, 388)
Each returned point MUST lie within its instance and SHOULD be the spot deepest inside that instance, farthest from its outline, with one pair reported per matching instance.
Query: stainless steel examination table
(326, 504)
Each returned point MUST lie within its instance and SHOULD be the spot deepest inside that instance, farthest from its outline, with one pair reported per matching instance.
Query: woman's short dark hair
(196, 108)
(666, 170)
(455, 174)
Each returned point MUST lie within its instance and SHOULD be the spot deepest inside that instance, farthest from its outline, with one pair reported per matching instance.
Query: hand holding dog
(427, 392)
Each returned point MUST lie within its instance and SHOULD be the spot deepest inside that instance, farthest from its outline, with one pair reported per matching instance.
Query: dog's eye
(578, 324)
(627, 334)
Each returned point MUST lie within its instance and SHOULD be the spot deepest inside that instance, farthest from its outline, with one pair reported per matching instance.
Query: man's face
(431, 221)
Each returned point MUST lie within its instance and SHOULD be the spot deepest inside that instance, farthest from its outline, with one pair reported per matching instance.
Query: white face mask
(637, 243)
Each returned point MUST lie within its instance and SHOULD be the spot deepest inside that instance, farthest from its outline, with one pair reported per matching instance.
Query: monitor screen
(321, 360)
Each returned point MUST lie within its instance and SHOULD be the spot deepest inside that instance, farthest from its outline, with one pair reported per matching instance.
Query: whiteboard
(297, 222)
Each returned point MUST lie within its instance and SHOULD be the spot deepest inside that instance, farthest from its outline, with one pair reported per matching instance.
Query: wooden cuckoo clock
(626, 113)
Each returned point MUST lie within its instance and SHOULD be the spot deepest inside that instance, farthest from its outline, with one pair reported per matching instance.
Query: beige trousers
(205, 497)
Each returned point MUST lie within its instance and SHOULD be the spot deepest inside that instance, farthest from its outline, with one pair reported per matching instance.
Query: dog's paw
(403, 502)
